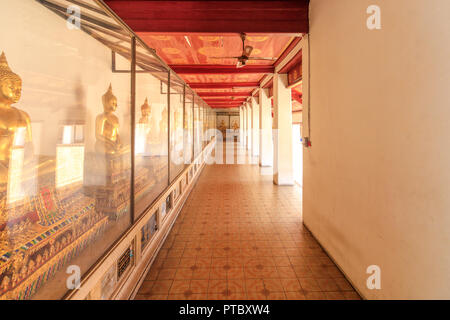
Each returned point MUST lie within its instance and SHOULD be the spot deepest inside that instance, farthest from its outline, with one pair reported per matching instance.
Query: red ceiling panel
(192, 36)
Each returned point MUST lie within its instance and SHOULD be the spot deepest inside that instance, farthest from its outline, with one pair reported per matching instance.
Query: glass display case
(89, 117)
(177, 89)
(151, 171)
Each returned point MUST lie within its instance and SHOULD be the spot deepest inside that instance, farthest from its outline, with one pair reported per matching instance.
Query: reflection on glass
(65, 199)
(151, 139)
(176, 130)
(188, 128)
(197, 130)
(65, 144)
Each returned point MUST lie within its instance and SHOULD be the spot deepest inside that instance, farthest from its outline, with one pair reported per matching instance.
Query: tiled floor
(241, 237)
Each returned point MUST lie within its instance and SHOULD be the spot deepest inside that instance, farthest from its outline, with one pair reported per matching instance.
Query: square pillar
(255, 127)
(283, 166)
(265, 133)
(244, 126)
(241, 125)
(249, 126)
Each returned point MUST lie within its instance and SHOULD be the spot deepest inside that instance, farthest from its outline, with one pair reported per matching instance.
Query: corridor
(241, 237)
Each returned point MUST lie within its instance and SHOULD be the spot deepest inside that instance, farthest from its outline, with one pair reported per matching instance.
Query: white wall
(377, 178)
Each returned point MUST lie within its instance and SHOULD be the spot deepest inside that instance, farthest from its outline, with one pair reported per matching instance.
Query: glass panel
(176, 127)
(197, 128)
(205, 126)
(151, 135)
(188, 127)
(202, 127)
(65, 157)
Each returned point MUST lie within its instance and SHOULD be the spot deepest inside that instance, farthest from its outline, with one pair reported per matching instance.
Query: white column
(249, 126)
(255, 126)
(265, 134)
(244, 126)
(241, 125)
(283, 170)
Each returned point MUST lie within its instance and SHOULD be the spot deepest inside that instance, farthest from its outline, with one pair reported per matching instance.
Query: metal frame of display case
(130, 279)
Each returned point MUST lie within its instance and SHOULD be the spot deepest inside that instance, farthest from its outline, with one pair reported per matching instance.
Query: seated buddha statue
(15, 125)
(222, 126)
(107, 126)
(163, 126)
(235, 125)
(145, 113)
(143, 136)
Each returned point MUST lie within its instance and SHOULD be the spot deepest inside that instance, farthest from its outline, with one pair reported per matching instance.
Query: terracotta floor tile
(219, 262)
(217, 286)
(235, 262)
(146, 287)
(152, 274)
(256, 296)
(327, 284)
(273, 285)
(282, 261)
(269, 273)
(216, 296)
(183, 274)
(235, 230)
(290, 285)
(237, 296)
(203, 262)
(297, 261)
(152, 297)
(351, 295)
(186, 262)
(199, 286)
(179, 286)
(201, 273)
(295, 296)
(235, 273)
(175, 253)
(315, 296)
(309, 284)
(218, 273)
(161, 287)
(167, 274)
(235, 286)
(343, 284)
(276, 296)
(335, 295)
(334, 272)
(254, 285)
(286, 272)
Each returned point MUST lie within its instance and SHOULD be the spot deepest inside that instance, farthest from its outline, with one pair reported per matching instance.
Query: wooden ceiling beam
(221, 69)
(223, 94)
(223, 85)
(214, 16)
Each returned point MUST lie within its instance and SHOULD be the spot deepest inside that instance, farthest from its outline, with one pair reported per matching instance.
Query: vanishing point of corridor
(241, 237)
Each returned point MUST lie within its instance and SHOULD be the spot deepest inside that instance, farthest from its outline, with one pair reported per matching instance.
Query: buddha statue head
(10, 83)
(146, 109)
(109, 100)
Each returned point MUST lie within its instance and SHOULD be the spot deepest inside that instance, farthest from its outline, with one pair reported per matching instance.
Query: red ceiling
(190, 46)
(282, 16)
(175, 50)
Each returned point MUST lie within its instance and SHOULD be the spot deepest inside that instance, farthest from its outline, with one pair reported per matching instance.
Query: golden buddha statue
(15, 125)
(143, 129)
(235, 125)
(163, 125)
(222, 126)
(107, 126)
(146, 112)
